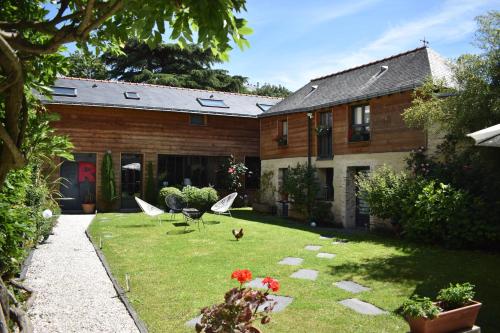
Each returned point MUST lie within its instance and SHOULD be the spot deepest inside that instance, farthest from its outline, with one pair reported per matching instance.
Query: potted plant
(241, 307)
(88, 204)
(453, 311)
(322, 130)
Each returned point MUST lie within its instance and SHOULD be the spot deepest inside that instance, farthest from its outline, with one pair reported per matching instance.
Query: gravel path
(74, 293)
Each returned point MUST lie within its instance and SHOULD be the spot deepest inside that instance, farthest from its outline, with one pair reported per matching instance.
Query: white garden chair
(148, 209)
(223, 206)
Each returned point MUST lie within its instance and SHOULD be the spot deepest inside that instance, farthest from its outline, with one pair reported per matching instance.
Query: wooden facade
(388, 130)
(150, 133)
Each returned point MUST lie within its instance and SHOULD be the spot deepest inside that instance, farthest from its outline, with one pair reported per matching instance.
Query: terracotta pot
(88, 208)
(447, 321)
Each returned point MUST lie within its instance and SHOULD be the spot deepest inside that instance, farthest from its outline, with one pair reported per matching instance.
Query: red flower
(230, 170)
(242, 275)
(271, 283)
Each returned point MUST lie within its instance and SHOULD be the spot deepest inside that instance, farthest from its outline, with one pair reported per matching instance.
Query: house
(347, 123)
(182, 133)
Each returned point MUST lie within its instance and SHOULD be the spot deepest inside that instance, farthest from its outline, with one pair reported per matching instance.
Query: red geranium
(271, 283)
(242, 275)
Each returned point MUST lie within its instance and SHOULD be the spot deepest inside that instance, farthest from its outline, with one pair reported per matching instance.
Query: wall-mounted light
(310, 115)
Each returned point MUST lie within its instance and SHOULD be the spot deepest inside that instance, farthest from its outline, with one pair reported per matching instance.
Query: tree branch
(86, 17)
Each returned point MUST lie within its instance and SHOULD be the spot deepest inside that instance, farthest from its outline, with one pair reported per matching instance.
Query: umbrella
(489, 137)
(132, 166)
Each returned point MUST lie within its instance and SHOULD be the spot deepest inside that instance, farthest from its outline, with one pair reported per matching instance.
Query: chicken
(238, 234)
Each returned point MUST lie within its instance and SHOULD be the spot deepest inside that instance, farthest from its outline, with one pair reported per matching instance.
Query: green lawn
(174, 275)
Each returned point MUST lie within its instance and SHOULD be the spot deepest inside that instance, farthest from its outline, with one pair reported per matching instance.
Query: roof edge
(129, 107)
(370, 63)
(340, 102)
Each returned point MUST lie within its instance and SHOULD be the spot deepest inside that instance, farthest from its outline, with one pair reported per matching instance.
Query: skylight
(63, 91)
(132, 95)
(313, 89)
(213, 103)
(264, 107)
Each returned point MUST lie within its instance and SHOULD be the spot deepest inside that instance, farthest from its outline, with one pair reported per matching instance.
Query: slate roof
(404, 71)
(158, 98)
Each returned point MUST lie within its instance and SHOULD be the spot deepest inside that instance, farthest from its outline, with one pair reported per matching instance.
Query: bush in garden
(108, 187)
(302, 186)
(200, 198)
(322, 212)
(166, 191)
(231, 174)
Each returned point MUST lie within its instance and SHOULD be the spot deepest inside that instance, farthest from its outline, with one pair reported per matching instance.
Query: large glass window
(252, 179)
(131, 170)
(360, 123)
(283, 133)
(324, 132)
(180, 170)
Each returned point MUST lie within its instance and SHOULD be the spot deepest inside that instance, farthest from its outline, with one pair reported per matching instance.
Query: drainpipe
(309, 119)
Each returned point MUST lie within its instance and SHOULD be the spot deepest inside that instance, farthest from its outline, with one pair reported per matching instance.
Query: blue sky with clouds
(295, 41)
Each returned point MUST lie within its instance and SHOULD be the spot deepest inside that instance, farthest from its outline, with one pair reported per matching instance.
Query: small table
(193, 214)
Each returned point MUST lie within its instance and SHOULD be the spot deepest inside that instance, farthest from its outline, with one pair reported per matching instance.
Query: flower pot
(447, 321)
(88, 208)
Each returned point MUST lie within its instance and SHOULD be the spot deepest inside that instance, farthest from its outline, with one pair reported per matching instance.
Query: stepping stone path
(351, 286)
(281, 303)
(291, 261)
(362, 307)
(312, 247)
(306, 274)
(326, 255)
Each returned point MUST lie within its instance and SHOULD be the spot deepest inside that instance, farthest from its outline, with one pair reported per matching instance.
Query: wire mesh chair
(223, 206)
(149, 209)
(176, 204)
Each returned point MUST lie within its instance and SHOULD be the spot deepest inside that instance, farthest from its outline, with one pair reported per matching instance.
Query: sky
(295, 41)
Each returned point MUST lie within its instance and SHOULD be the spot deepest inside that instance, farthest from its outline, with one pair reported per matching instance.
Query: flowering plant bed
(241, 307)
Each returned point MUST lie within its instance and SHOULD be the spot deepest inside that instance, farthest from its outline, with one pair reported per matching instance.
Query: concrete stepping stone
(325, 237)
(291, 261)
(326, 255)
(362, 307)
(305, 274)
(282, 302)
(256, 284)
(312, 247)
(351, 286)
(194, 321)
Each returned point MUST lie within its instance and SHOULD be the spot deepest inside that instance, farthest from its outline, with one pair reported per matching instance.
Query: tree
(31, 40)
(272, 91)
(169, 64)
(302, 185)
(86, 65)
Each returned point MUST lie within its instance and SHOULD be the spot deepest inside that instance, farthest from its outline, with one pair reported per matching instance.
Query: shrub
(231, 174)
(166, 191)
(419, 307)
(108, 188)
(322, 212)
(456, 296)
(200, 198)
(302, 186)
(150, 195)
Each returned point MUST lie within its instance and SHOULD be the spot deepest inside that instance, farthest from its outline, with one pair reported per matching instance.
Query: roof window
(132, 95)
(313, 89)
(264, 107)
(63, 91)
(213, 103)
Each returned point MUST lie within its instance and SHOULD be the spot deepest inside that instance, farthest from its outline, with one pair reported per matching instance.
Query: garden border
(119, 291)
(26, 264)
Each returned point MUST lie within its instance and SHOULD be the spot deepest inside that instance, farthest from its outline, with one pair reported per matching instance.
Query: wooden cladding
(388, 132)
(98, 129)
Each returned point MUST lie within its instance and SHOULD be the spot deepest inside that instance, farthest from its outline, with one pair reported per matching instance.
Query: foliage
(322, 130)
(108, 185)
(200, 198)
(272, 91)
(87, 65)
(419, 307)
(172, 65)
(266, 191)
(456, 296)
(302, 186)
(150, 194)
(231, 174)
(322, 212)
(384, 190)
(167, 191)
(239, 310)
